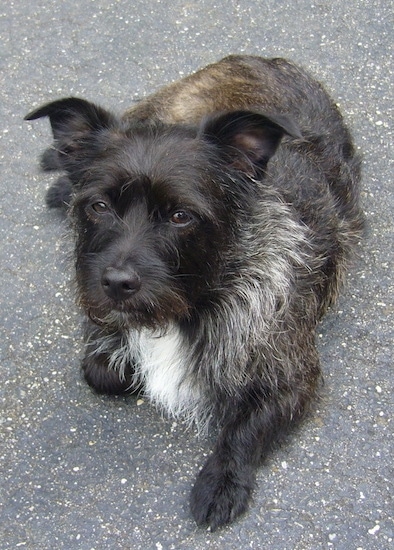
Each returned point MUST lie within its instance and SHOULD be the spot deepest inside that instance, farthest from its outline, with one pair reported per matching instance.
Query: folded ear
(75, 124)
(248, 139)
(72, 114)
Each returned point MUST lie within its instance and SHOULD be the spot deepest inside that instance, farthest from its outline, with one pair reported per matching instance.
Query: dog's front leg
(224, 485)
(106, 364)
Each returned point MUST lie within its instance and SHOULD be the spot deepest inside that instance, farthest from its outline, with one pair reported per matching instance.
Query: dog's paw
(219, 497)
(105, 380)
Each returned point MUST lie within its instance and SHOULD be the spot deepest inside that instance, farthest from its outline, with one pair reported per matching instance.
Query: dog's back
(240, 82)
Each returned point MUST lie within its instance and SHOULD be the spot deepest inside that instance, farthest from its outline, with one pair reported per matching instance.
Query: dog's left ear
(248, 139)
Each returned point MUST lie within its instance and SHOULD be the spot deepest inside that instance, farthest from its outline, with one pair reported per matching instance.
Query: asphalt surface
(79, 471)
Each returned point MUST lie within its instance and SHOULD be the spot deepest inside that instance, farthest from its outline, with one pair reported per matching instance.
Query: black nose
(120, 284)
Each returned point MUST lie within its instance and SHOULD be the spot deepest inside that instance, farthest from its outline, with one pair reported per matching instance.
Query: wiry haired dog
(214, 222)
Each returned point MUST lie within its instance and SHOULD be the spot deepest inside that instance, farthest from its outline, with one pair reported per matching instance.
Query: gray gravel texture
(79, 471)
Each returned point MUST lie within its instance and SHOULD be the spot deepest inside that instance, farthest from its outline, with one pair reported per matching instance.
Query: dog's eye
(181, 218)
(100, 207)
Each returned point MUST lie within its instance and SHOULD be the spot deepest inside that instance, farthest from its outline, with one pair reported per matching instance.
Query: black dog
(213, 226)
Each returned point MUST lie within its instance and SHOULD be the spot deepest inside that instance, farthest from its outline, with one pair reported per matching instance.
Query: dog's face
(156, 208)
(150, 223)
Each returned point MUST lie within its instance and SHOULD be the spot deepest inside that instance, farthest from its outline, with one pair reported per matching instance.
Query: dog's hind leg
(59, 194)
(50, 160)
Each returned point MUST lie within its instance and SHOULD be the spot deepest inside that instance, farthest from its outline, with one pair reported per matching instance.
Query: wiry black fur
(213, 226)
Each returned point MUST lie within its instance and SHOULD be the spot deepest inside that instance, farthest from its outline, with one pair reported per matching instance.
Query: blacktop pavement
(80, 471)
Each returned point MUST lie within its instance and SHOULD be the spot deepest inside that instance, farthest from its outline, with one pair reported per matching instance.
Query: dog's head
(157, 208)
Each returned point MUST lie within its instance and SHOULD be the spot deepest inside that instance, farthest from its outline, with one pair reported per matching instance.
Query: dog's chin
(152, 312)
(119, 319)
(123, 315)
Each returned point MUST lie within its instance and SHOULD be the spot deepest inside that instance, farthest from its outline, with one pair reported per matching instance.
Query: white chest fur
(162, 368)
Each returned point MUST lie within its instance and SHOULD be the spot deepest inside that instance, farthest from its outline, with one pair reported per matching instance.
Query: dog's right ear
(76, 124)
(71, 115)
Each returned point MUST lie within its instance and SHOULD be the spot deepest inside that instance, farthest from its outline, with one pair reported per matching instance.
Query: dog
(214, 222)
